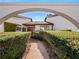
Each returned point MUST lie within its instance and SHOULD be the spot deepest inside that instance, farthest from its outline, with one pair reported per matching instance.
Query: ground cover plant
(12, 44)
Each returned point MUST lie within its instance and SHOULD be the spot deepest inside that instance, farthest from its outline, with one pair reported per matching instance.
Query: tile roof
(38, 23)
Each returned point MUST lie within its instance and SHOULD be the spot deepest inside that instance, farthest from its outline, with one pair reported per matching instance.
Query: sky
(38, 15)
(39, 0)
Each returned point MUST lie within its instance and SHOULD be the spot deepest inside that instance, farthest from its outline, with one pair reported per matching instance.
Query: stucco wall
(61, 23)
(71, 9)
(17, 20)
(37, 27)
(2, 27)
(46, 27)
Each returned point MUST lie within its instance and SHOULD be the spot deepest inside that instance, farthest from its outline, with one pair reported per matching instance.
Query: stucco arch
(40, 9)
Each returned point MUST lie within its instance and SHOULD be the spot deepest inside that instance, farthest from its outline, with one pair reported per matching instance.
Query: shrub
(66, 30)
(9, 27)
(12, 44)
(24, 29)
(64, 43)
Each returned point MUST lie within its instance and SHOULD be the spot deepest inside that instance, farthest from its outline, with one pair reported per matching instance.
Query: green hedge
(24, 29)
(64, 43)
(66, 30)
(12, 44)
(9, 27)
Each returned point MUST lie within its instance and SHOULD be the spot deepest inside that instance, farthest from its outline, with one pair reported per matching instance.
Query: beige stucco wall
(2, 27)
(70, 9)
(61, 23)
(19, 21)
(46, 27)
(37, 27)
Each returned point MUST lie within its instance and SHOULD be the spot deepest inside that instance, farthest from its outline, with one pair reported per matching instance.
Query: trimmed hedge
(12, 44)
(64, 43)
(9, 27)
(66, 30)
(24, 29)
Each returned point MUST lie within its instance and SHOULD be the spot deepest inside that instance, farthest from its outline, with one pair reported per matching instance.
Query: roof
(37, 23)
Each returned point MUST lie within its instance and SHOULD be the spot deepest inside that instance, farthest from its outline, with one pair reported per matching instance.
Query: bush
(24, 29)
(9, 27)
(66, 30)
(12, 44)
(65, 44)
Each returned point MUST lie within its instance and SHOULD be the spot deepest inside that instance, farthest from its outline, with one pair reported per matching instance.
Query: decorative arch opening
(41, 9)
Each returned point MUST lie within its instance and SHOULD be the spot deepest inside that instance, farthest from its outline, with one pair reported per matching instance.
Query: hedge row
(64, 43)
(9, 27)
(12, 44)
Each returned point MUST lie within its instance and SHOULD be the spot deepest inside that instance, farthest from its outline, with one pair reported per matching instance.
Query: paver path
(37, 51)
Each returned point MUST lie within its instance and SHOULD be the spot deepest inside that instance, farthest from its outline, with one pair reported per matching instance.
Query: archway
(40, 9)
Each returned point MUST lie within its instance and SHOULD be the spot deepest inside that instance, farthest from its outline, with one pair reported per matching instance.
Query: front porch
(38, 25)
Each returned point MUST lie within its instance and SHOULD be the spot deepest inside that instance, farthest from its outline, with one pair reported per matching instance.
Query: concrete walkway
(37, 51)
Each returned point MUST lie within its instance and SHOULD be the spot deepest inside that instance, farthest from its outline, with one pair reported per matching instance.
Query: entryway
(37, 51)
